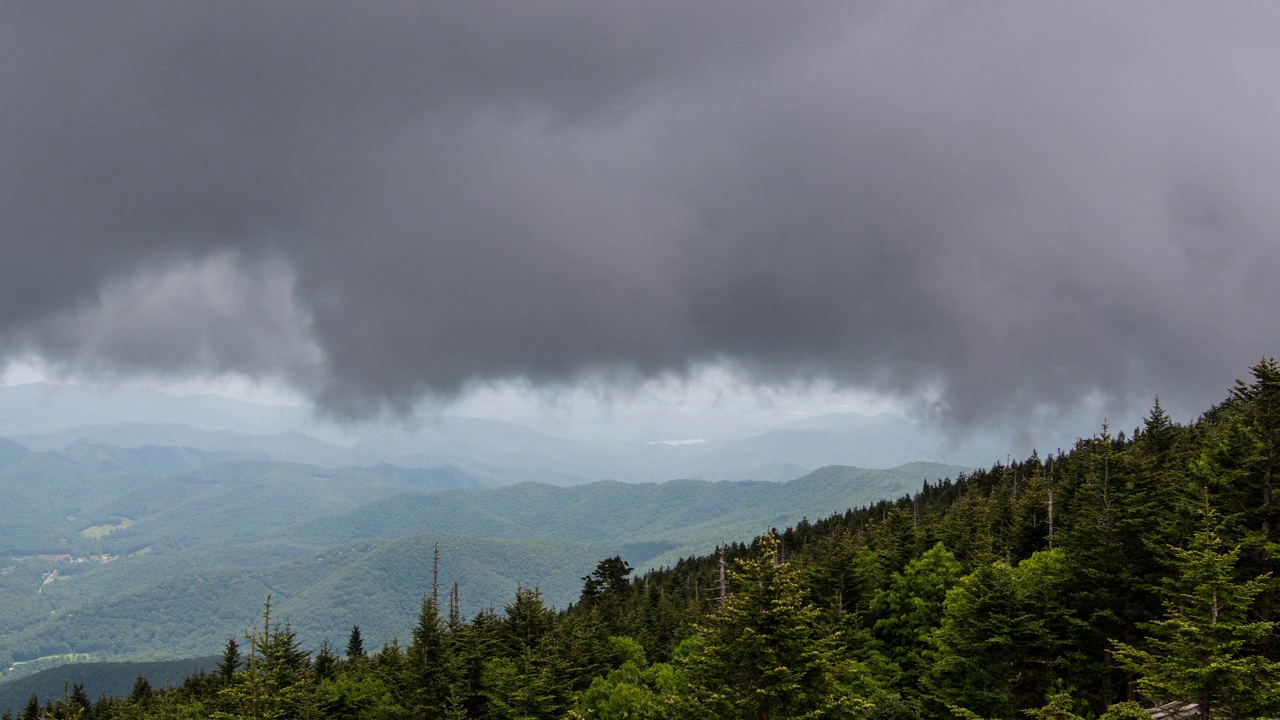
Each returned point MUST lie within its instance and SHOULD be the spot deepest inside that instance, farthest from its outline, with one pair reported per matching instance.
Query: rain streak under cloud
(1000, 207)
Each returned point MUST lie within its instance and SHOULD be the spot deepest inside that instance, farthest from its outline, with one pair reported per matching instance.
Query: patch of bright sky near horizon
(713, 403)
(236, 387)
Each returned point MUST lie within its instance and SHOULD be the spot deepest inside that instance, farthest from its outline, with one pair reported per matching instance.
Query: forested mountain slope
(377, 584)
(111, 552)
(98, 679)
(1133, 570)
(683, 517)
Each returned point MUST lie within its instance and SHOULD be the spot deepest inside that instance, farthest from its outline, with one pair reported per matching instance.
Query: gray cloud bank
(1019, 205)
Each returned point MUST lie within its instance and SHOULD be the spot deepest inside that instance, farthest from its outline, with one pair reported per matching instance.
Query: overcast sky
(991, 212)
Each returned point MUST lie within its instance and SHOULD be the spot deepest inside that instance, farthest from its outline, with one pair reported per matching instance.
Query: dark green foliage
(762, 655)
(141, 693)
(355, 644)
(1197, 649)
(986, 646)
(610, 578)
(230, 660)
(325, 664)
(429, 669)
(99, 678)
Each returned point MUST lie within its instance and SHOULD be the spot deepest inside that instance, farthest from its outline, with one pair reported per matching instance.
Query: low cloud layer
(1009, 208)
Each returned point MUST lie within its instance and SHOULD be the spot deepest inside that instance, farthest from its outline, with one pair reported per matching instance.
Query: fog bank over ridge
(490, 451)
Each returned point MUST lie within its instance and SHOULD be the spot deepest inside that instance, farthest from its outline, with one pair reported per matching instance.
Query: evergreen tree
(141, 694)
(907, 613)
(1061, 707)
(276, 680)
(74, 704)
(355, 644)
(1198, 649)
(472, 645)
(527, 621)
(357, 696)
(841, 572)
(759, 656)
(1126, 711)
(1029, 630)
(1157, 430)
(1030, 525)
(1257, 463)
(609, 578)
(988, 633)
(1259, 406)
(325, 664)
(388, 661)
(80, 699)
(632, 692)
(230, 661)
(1111, 513)
(525, 674)
(429, 668)
(604, 591)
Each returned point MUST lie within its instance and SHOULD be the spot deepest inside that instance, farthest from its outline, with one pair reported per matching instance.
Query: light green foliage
(628, 650)
(1045, 583)
(1001, 636)
(350, 696)
(1197, 649)
(521, 688)
(1060, 707)
(909, 611)
(633, 692)
(1126, 711)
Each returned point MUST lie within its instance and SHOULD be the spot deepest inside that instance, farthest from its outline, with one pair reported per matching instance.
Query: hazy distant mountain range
(50, 417)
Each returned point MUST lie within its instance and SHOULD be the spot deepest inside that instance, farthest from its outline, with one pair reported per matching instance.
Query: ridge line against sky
(999, 213)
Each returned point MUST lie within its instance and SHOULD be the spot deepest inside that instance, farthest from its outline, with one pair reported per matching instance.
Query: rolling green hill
(115, 679)
(692, 516)
(155, 553)
(377, 584)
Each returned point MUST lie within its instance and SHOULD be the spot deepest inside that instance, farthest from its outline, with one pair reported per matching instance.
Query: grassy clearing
(97, 532)
(27, 667)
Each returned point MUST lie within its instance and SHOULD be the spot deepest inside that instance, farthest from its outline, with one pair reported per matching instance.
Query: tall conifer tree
(1198, 651)
(759, 656)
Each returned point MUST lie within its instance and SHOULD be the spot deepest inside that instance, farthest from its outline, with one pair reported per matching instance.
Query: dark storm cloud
(1020, 206)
